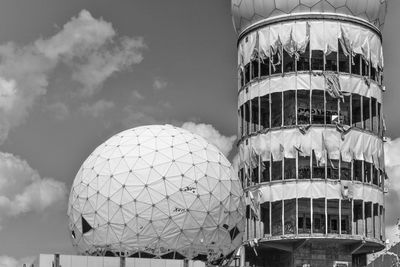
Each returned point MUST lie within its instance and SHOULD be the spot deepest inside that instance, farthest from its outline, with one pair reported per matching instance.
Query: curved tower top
(248, 13)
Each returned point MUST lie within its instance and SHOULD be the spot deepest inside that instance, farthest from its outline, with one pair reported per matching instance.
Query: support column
(242, 256)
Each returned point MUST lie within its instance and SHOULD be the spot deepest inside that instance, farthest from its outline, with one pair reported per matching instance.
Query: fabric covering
(323, 35)
(286, 142)
(346, 83)
(318, 189)
(157, 189)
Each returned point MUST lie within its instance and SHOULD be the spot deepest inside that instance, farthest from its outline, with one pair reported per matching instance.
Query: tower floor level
(310, 79)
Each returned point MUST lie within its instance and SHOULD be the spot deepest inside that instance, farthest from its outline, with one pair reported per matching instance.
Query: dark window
(331, 62)
(247, 73)
(375, 175)
(303, 107)
(254, 115)
(288, 62)
(247, 117)
(344, 61)
(319, 215)
(346, 217)
(254, 175)
(317, 60)
(333, 216)
(357, 174)
(367, 172)
(374, 75)
(366, 115)
(242, 178)
(290, 168)
(276, 218)
(317, 111)
(368, 219)
(265, 177)
(332, 115)
(358, 217)
(333, 169)
(264, 67)
(304, 60)
(345, 170)
(364, 67)
(345, 110)
(304, 219)
(380, 126)
(304, 167)
(276, 64)
(86, 227)
(276, 109)
(264, 111)
(241, 78)
(241, 112)
(290, 216)
(318, 168)
(264, 209)
(375, 117)
(355, 66)
(289, 98)
(276, 170)
(254, 69)
(356, 111)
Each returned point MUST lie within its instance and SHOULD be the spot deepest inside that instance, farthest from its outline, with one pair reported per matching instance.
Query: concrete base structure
(57, 260)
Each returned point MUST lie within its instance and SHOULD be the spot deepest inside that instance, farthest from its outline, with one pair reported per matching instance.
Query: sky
(73, 73)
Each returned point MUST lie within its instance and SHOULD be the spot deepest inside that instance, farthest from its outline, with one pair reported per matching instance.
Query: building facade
(310, 79)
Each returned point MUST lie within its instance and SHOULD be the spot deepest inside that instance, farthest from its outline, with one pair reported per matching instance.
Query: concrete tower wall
(311, 146)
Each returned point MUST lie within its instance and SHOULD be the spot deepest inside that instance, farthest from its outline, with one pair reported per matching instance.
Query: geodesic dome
(157, 191)
(248, 12)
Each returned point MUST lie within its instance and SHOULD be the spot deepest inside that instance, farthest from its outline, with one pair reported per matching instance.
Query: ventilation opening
(86, 227)
(234, 232)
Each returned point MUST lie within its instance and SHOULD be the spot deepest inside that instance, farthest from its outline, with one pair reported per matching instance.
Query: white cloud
(22, 190)
(7, 261)
(159, 83)
(58, 109)
(89, 48)
(212, 135)
(98, 108)
(135, 117)
(137, 95)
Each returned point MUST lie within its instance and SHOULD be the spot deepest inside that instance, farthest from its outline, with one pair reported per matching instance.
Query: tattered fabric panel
(306, 81)
(323, 35)
(318, 189)
(287, 142)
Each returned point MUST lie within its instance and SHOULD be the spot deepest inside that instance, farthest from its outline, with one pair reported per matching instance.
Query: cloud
(212, 135)
(98, 108)
(392, 164)
(89, 49)
(7, 261)
(135, 117)
(137, 95)
(22, 190)
(159, 83)
(58, 109)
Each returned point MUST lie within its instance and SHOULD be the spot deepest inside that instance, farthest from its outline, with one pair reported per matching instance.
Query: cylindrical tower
(311, 130)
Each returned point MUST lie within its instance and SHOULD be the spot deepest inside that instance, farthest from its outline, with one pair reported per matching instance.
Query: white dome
(160, 191)
(248, 12)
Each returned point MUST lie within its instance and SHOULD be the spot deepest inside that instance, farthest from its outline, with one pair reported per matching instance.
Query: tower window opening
(304, 171)
(318, 170)
(366, 113)
(265, 218)
(289, 99)
(304, 217)
(357, 173)
(368, 219)
(254, 69)
(290, 168)
(241, 118)
(331, 62)
(303, 107)
(345, 170)
(254, 176)
(265, 177)
(364, 67)
(247, 117)
(358, 217)
(276, 63)
(374, 73)
(318, 109)
(290, 216)
(317, 60)
(375, 116)
(319, 216)
(333, 216)
(247, 74)
(376, 221)
(264, 66)
(264, 112)
(332, 114)
(254, 115)
(276, 109)
(333, 169)
(356, 111)
(276, 170)
(303, 64)
(344, 61)
(375, 175)
(276, 218)
(288, 62)
(356, 65)
(367, 172)
(346, 212)
(344, 116)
